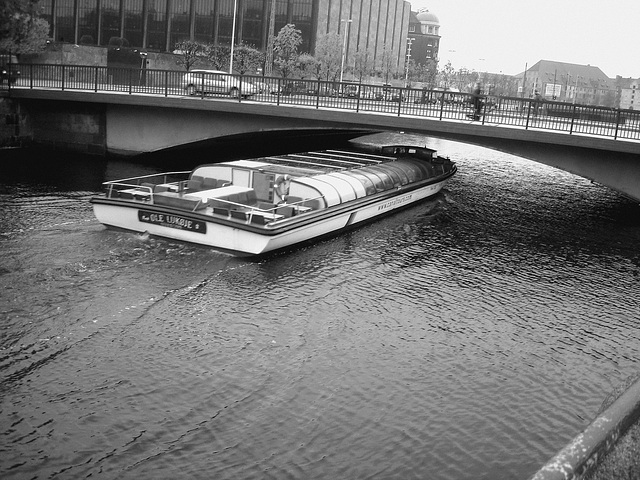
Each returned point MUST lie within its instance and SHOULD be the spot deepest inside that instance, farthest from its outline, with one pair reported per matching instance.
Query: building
(567, 82)
(628, 93)
(157, 25)
(424, 36)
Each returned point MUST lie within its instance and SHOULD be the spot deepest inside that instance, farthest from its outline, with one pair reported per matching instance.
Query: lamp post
(233, 35)
(406, 75)
(344, 46)
(269, 59)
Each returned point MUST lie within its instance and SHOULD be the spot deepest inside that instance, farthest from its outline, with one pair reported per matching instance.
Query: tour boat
(251, 207)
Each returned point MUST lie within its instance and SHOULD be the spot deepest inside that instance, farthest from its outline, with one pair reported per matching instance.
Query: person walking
(476, 100)
(537, 100)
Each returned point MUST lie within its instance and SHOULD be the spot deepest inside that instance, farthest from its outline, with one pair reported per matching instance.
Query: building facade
(157, 25)
(629, 93)
(424, 36)
(568, 82)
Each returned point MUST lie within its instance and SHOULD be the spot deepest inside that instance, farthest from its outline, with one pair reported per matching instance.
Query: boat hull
(242, 238)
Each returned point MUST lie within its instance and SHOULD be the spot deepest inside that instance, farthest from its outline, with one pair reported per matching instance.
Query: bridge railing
(367, 98)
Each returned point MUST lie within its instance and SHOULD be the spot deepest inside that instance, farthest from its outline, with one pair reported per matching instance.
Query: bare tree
(386, 63)
(189, 53)
(364, 64)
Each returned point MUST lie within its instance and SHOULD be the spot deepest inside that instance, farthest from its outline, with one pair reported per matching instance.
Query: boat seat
(259, 220)
(209, 183)
(238, 215)
(265, 205)
(185, 202)
(160, 188)
(287, 211)
(221, 211)
(194, 185)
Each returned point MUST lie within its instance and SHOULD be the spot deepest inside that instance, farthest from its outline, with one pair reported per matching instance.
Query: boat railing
(143, 185)
(163, 178)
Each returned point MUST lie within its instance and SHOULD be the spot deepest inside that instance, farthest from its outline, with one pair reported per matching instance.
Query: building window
(205, 15)
(133, 22)
(110, 20)
(65, 31)
(412, 28)
(252, 23)
(88, 21)
(157, 25)
(179, 22)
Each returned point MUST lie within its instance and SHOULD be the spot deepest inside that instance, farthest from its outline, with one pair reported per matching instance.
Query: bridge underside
(244, 134)
(130, 125)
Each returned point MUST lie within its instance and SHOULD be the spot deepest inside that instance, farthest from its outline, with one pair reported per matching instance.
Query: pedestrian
(476, 100)
(537, 100)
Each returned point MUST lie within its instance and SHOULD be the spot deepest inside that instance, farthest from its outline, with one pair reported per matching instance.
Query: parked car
(9, 69)
(216, 81)
(295, 88)
(262, 87)
(369, 93)
(323, 91)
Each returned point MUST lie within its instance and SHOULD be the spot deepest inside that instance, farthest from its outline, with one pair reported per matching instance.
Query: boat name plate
(172, 221)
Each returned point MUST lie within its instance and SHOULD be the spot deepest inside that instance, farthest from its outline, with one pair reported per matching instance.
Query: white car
(216, 81)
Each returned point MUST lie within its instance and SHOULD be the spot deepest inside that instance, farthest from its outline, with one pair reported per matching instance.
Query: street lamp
(233, 35)
(344, 46)
(406, 75)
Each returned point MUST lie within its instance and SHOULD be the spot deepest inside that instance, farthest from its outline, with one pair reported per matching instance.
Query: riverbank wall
(80, 127)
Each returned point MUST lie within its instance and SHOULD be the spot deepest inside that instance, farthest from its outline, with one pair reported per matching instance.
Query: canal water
(468, 337)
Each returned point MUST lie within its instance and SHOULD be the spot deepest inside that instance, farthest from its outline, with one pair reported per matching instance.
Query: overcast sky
(504, 35)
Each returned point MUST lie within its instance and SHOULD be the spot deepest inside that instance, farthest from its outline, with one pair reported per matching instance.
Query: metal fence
(386, 99)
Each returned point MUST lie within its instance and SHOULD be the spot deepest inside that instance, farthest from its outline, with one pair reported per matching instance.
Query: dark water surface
(468, 337)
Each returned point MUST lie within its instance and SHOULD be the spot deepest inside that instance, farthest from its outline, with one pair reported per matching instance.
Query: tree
(21, 29)
(364, 64)
(447, 75)
(328, 55)
(386, 63)
(190, 53)
(219, 56)
(285, 49)
(247, 59)
(307, 65)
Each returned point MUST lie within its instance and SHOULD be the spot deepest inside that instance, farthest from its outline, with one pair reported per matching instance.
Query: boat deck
(271, 188)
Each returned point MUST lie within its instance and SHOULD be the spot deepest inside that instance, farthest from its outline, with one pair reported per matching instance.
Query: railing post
(31, 76)
(526, 125)
(62, 88)
(573, 118)
(615, 135)
(278, 92)
(318, 95)
(441, 105)
(96, 79)
(130, 81)
(166, 83)
(359, 94)
(400, 93)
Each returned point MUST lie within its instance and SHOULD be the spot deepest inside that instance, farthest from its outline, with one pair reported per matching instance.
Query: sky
(506, 35)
